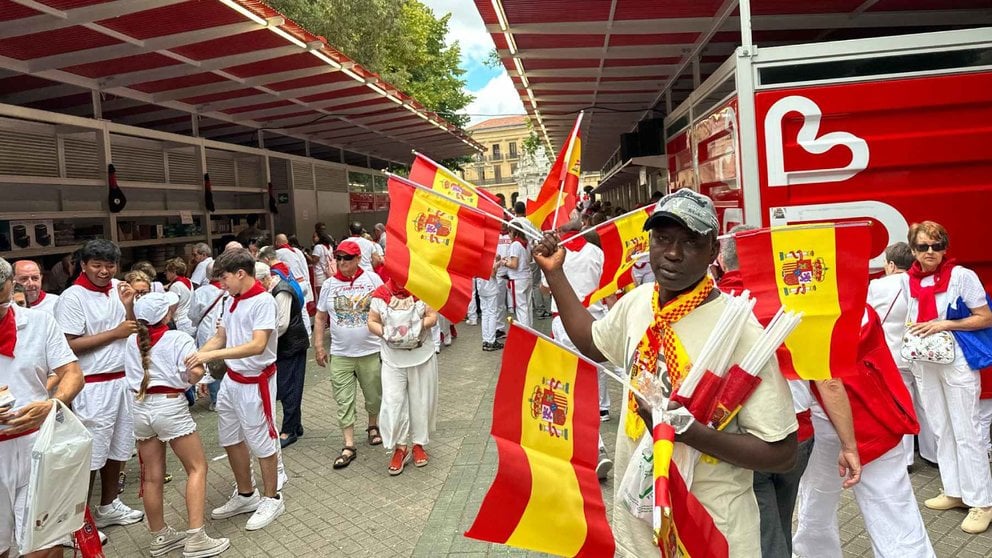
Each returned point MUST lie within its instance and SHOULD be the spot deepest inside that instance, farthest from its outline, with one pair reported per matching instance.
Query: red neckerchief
(521, 241)
(255, 290)
(184, 281)
(155, 333)
(350, 281)
(284, 246)
(8, 333)
(84, 282)
(217, 284)
(927, 296)
(41, 297)
(281, 266)
(388, 290)
(576, 241)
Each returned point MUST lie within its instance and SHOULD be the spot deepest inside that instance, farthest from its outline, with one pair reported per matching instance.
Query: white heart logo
(807, 138)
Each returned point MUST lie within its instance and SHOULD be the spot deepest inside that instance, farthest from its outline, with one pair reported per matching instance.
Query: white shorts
(163, 417)
(241, 417)
(105, 410)
(15, 472)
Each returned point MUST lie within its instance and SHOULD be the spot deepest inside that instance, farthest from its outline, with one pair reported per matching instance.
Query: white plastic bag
(60, 475)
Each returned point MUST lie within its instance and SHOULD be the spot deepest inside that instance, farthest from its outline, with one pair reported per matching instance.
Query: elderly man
(32, 346)
(380, 236)
(27, 273)
(660, 328)
(201, 259)
(371, 252)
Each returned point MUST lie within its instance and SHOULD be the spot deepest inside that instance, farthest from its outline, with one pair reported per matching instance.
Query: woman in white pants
(950, 392)
(409, 373)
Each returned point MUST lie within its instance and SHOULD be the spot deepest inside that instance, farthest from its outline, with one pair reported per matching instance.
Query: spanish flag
(820, 270)
(690, 532)
(427, 173)
(620, 239)
(545, 496)
(436, 246)
(560, 192)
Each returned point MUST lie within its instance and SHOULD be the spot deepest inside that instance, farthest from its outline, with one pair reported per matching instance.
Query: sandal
(376, 438)
(400, 458)
(419, 455)
(345, 459)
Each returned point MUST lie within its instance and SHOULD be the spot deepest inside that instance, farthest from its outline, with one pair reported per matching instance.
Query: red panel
(358, 90)
(131, 111)
(178, 18)
(246, 92)
(124, 65)
(50, 43)
(895, 5)
(528, 11)
(654, 39)
(178, 83)
(261, 106)
(281, 64)
(627, 62)
(72, 4)
(21, 82)
(543, 64)
(777, 7)
(638, 9)
(525, 42)
(322, 79)
(366, 103)
(228, 46)
(10, 11)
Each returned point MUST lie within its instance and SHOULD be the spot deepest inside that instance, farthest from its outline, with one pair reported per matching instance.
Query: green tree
(401, 40)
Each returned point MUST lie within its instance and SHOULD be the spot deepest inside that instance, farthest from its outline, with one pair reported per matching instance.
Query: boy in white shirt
(518, 262)
(245, 340)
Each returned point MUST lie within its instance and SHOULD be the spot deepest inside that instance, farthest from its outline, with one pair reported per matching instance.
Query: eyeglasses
(936, 247)
(345, 258)
(139, 294)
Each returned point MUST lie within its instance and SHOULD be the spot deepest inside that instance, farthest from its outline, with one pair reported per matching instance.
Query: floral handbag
(936, 347)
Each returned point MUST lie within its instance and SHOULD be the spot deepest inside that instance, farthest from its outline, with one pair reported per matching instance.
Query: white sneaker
(268, 510)
(199, 545)
(446, 340)
(281, 477)
(167, 540)
(116, 514)
(603, 466)
(237, 505)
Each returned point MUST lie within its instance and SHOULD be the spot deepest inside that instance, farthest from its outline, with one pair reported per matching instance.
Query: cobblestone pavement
(361, 511)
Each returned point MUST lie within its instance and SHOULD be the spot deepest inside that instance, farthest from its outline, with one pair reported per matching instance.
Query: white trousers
(442, 327)
(409, 404)
(884, 496)
(926, 438)
(520, 292)
(502, 301)
(985, 421)
(489, 301)
(950, 401)
(473, 309)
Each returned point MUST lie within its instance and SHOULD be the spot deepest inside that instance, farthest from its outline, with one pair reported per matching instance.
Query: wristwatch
(680, 419)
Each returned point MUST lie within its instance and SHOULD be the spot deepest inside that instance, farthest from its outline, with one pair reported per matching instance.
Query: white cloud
(466, 27)
(498, 97)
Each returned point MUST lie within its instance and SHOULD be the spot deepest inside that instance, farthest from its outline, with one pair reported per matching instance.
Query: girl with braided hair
(154, 360)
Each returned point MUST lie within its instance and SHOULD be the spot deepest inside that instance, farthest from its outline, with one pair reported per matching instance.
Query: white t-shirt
(347, 305)
(584, 269)
(47, 304)
(252, 314)
(323, 255)
(84, 312)
(167, 366)
(642, 273)
(502, 251)
(403, 358)
(889, 296)
(368, 248)
(523, 271)
(41, 348)
(298, 266)
(199, 277)
(964, 283)
(206, 324)
(181, 316)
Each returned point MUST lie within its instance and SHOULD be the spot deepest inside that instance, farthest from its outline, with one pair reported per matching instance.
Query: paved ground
(361, 511)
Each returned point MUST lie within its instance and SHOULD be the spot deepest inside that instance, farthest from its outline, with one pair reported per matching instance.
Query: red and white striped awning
(239, 65)
(621, 56)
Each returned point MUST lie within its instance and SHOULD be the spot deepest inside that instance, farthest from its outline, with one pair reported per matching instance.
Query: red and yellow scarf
(660, 338)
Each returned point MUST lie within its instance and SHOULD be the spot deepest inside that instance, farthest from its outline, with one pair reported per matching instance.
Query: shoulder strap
(211, 307)
(892, 304)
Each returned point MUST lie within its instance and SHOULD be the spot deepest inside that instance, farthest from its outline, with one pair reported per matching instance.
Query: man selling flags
(658, 330)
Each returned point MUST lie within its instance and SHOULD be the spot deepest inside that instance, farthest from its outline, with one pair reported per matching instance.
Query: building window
(513, 167)
(513, 150)
(497, 172)
(496, 153)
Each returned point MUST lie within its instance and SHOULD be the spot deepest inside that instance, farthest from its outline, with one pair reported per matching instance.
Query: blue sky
(493, 90)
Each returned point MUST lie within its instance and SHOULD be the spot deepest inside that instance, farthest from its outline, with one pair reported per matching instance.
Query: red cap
(348, 248)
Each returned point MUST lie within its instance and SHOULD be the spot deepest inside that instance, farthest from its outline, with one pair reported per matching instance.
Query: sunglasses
(936, 247)
(345, 258)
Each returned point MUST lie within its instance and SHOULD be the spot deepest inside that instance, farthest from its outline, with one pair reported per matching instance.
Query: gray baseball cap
(687, 208)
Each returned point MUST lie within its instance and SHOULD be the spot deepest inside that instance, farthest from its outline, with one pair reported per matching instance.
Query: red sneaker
(454, 332)
(419, 455)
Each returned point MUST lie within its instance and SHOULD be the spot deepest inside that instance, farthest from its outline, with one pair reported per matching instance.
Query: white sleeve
(325, 293)
(265, 317)
(199, 274)
(185, 346)
(69, 314)
(284, 307)
(57, 348)
(971, 289)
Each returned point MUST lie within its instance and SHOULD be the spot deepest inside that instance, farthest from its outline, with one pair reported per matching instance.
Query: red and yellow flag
(439, 178)
(620, 239)
(820, 270)
(690, 532)
(545, 496)
(560, 192)
(435, 246)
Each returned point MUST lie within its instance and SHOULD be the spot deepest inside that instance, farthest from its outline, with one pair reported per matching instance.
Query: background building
(503, 139)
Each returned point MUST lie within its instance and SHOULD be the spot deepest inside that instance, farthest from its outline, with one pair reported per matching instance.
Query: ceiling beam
(234, 83)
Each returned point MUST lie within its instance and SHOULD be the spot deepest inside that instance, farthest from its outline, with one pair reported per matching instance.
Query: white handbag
(60, 474)
(936, 347)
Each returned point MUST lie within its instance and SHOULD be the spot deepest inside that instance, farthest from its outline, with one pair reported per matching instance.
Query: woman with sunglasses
(949, 392)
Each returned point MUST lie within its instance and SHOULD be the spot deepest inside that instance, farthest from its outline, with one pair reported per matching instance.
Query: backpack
(403, 324)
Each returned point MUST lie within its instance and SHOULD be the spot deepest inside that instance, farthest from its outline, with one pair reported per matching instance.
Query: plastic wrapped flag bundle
(704, 382)
(742, 379)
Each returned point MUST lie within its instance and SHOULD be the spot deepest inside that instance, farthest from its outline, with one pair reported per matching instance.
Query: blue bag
(976, 345)
(296, 286)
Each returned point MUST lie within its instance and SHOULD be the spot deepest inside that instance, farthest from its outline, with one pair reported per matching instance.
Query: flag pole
(623, 381)
(412, 184)
(462, 181)
(566, 164)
